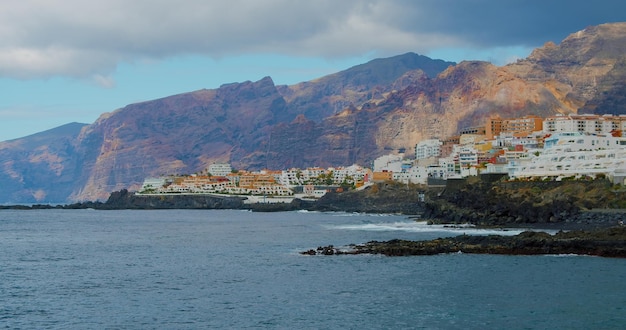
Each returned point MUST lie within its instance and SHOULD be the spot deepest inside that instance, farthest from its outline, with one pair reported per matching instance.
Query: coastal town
(561, 147)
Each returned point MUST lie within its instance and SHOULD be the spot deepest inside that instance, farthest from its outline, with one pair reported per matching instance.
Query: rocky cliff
(238, 123)
(582, 74)
(350, 117)
(40, 167)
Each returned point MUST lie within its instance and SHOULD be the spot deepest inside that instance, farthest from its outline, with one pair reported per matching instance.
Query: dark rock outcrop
(127, 200)
(609, 242)
(531, 202)
(561, 205)
(386, 197)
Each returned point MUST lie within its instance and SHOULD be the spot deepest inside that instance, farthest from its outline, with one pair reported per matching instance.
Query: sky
(65, 61)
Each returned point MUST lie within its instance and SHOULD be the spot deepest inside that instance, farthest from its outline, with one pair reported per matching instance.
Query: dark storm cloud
(488, 23)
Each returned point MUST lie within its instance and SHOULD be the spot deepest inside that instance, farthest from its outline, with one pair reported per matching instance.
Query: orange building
(516, 126)
(254, 180)
(448, 145)
(493, 127)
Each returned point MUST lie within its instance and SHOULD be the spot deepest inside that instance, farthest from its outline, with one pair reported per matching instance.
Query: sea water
(213, 269)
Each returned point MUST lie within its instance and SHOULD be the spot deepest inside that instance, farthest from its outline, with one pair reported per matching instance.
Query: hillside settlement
(562, 147)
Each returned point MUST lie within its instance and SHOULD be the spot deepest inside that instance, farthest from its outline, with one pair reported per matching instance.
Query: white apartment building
(296, 177)
(574, 154)
(355, 172)
(466, 156)
(388, 163)
(312, 172)
(292, 177)
(576, 141)
(590, 124)
(448, 165)
(440, 171)
(273, 190)
(150, 184)
(428, 148)
(508, 140)
(220, 169)
(415, 174)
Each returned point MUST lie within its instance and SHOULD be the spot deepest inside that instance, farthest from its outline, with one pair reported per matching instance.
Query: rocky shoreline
(481, 202)
(607, 242)
(590, 214)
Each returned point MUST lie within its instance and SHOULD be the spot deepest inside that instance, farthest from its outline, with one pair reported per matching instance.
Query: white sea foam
(422, 227)
(357, 214)
(567, 255)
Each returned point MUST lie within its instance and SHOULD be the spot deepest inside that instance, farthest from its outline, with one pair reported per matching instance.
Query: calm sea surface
(188, 269)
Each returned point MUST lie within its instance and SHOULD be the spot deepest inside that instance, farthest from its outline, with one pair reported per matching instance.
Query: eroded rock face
(185, 133)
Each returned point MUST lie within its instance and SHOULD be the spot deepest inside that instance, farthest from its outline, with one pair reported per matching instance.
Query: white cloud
(25, 63)
(104, 81)
(43, 38)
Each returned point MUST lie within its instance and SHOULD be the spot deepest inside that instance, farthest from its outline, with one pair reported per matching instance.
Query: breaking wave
(422, 227)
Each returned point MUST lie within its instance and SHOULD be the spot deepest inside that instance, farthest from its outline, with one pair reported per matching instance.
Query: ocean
(232, 269)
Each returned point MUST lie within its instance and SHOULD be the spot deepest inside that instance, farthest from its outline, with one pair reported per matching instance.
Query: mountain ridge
(336, 120)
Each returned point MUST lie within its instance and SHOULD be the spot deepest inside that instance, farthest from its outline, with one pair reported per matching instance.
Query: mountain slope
(584, 72)
(180, 134)
(185, 133)
(320, 98)
(40, 167)
(349, 117)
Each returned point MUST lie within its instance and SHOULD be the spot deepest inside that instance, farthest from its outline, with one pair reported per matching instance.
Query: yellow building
(382, 176)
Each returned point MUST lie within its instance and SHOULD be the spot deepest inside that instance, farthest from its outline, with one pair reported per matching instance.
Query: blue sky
(67, 61)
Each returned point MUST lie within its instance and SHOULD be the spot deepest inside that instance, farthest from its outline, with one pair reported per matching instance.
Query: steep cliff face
(461, 96)
(181, 134)
(251, 125)
(585, 73)
(349, 117)
(41, 167)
